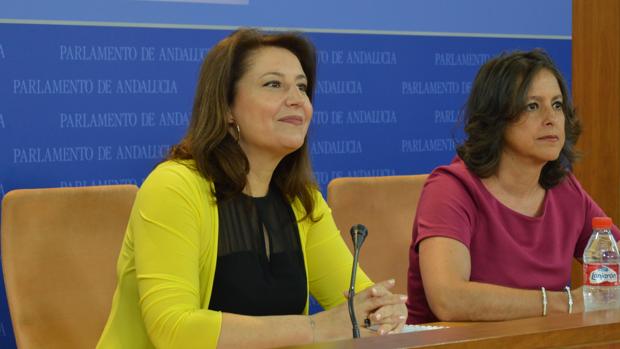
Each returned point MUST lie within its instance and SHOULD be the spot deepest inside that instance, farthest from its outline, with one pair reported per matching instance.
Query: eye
(531, 106)
(302, 87)
(272, 83)
(558, 105)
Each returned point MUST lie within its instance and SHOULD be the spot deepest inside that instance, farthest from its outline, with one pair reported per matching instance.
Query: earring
(236, 128)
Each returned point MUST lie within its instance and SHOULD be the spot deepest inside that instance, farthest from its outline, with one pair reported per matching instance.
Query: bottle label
(599, 274)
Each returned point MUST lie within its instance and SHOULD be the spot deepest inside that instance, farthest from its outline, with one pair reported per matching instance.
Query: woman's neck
(516, 181)
(518, 176)
(516, 185)
(260, 174)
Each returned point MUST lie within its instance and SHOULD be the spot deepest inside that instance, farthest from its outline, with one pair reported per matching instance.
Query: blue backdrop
(95, 92)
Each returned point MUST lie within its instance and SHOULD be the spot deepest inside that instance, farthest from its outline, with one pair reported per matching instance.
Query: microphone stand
(358, 234)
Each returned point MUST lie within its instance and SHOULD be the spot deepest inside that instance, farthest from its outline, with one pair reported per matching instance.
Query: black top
(248, 279)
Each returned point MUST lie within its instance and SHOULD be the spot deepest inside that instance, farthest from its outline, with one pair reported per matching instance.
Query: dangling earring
(236, 128)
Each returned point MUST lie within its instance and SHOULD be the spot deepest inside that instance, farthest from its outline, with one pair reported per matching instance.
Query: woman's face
(271, 106)
(537, 136)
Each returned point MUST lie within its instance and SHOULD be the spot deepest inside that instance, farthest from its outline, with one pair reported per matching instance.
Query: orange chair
(386, 206)
(59, 252)
(576, 274)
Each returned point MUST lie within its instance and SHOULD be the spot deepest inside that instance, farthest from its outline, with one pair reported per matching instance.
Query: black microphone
(358, 233)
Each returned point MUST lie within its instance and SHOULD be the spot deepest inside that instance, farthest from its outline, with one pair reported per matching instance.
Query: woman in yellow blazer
(229, 236)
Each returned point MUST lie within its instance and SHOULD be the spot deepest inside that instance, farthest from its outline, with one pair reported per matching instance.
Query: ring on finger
(367, 322)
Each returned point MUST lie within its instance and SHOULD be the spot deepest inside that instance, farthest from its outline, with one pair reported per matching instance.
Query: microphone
(358, 234)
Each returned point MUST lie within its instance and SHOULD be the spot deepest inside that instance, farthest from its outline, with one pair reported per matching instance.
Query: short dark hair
(208, 141)
(497, 98)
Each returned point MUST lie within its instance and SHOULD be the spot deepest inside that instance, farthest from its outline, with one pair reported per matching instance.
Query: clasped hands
(386, 312)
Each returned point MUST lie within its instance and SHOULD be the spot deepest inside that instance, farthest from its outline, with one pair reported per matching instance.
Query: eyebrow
(538, 98)
(298, 77)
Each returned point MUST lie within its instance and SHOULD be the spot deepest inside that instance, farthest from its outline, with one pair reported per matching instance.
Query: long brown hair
(497, 98)
(209, 143)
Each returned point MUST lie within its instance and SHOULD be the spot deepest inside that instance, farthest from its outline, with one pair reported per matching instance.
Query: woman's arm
(445, 266)
(239, 331)
(329, 263)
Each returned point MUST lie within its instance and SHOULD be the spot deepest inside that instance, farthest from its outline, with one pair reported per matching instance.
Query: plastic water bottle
(601, 266)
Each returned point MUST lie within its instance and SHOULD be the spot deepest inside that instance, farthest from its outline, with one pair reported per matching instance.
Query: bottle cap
(601, 222)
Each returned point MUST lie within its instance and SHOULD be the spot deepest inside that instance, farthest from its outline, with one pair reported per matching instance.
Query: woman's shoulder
(454, 175)
(171, 171)
(452, 186)
(319, 204)
(183, 167)
(180, 176)
(569, 186)
(455, 167)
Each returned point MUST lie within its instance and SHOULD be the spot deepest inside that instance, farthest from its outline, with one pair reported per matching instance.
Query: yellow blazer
(167, 263)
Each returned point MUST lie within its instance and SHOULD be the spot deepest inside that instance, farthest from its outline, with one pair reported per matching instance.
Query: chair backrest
(386, 206)
(576, 274)
(59, 252)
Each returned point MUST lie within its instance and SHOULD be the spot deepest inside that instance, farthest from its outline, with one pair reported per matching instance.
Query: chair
(386, 206)
(59, 252)
(576, 274)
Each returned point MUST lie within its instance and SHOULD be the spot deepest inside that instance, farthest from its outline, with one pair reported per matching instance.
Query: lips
(292, 119)
(549, 138)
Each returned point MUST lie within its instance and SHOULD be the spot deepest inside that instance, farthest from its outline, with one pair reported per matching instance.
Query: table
(599, 329)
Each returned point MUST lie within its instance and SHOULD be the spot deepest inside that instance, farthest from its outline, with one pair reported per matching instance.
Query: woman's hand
(388, 318)
(376, 303)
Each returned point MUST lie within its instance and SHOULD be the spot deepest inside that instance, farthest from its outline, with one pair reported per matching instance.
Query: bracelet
(312, 326)
(570, 299)
(544, 300)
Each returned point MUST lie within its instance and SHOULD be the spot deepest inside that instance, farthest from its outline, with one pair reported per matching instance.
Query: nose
(295, 97)
(552, 116)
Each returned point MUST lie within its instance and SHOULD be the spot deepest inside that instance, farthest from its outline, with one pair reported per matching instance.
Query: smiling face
(271, 106)
(537, 136)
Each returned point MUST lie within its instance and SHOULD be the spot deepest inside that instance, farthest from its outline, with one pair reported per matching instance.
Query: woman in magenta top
(506, 217)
